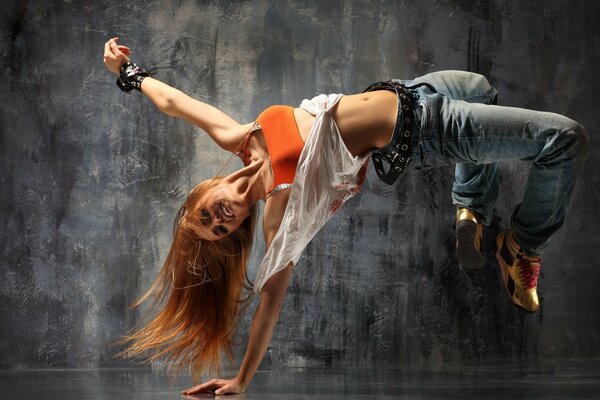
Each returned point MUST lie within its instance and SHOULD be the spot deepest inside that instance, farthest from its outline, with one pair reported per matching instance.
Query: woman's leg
(475, 185)
(475, 136)
(460, 85)
(555, 145)
(475, 188)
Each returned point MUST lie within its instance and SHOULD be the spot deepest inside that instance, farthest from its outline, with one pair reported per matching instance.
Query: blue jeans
(461, 124)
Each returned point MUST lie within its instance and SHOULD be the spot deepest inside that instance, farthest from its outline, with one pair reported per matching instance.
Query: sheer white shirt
(327, 176)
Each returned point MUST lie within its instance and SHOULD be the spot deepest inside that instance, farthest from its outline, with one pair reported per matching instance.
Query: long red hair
(197, 296)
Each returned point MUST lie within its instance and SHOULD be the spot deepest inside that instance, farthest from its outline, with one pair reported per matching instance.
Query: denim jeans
(461, 124)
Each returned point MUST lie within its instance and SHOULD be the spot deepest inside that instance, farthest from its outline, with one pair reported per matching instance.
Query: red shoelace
(530, 270)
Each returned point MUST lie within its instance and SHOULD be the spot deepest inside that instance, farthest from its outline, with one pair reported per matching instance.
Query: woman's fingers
(109, 58)
(203, 387)
(109, 53)
(124, 49)
(114, 48)
(112, 41)
(218, 386)
(122, 57)
(226, 389)
(107, 50)
(115, 55)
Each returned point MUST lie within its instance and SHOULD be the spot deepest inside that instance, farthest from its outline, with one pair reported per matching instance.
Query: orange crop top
(283, 142)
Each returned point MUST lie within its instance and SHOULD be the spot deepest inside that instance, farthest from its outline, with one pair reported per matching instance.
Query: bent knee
(583, 141)
(577, 139)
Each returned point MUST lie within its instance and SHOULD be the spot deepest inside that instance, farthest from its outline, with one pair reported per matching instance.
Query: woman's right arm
(263, 323)
(224, 130)
(272, 296)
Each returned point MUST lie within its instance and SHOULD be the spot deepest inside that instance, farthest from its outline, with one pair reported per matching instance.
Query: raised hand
(217, 386)
(115, 55)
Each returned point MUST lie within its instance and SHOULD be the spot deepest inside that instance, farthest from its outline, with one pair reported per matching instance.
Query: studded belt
(398, 152)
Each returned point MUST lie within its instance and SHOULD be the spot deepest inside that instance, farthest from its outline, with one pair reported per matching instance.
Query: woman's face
(220, 212)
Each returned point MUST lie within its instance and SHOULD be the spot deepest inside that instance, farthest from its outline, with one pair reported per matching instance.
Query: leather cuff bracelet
(131, 77)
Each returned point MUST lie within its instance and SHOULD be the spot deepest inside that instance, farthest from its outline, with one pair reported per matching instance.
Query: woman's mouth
(226, 211)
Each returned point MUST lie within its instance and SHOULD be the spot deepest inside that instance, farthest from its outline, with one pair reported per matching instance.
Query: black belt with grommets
(398, 152)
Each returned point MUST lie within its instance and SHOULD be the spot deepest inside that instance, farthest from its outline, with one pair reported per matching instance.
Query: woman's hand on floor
(217, 386)
(115, 55)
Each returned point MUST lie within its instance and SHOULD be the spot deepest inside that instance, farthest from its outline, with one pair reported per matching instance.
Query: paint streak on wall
(91, 178)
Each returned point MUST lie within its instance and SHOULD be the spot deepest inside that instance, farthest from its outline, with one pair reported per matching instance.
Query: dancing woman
(304, 163)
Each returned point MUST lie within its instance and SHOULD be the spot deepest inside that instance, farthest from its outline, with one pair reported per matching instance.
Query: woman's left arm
(222, 128)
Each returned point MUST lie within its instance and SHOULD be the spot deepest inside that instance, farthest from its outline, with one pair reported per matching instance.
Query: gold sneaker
(468, 239)
(519, 272)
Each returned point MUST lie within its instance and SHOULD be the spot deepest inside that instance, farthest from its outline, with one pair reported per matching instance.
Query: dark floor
(539, 380)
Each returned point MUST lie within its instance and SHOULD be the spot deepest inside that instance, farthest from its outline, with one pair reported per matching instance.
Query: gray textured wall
(91, 178)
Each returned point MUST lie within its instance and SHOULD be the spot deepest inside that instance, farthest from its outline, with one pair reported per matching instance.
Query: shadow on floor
(540, 380)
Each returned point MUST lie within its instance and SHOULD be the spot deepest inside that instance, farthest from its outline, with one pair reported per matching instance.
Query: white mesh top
(327, 175)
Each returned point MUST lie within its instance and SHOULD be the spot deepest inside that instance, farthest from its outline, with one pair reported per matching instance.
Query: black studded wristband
(131, 77)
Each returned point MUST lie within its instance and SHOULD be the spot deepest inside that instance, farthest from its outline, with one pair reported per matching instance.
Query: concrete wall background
(91, 178)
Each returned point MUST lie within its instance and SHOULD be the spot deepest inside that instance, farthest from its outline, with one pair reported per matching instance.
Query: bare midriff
(365, 121)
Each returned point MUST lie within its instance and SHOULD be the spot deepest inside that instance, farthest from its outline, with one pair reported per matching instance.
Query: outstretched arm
(224, 130)
(265, 318)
